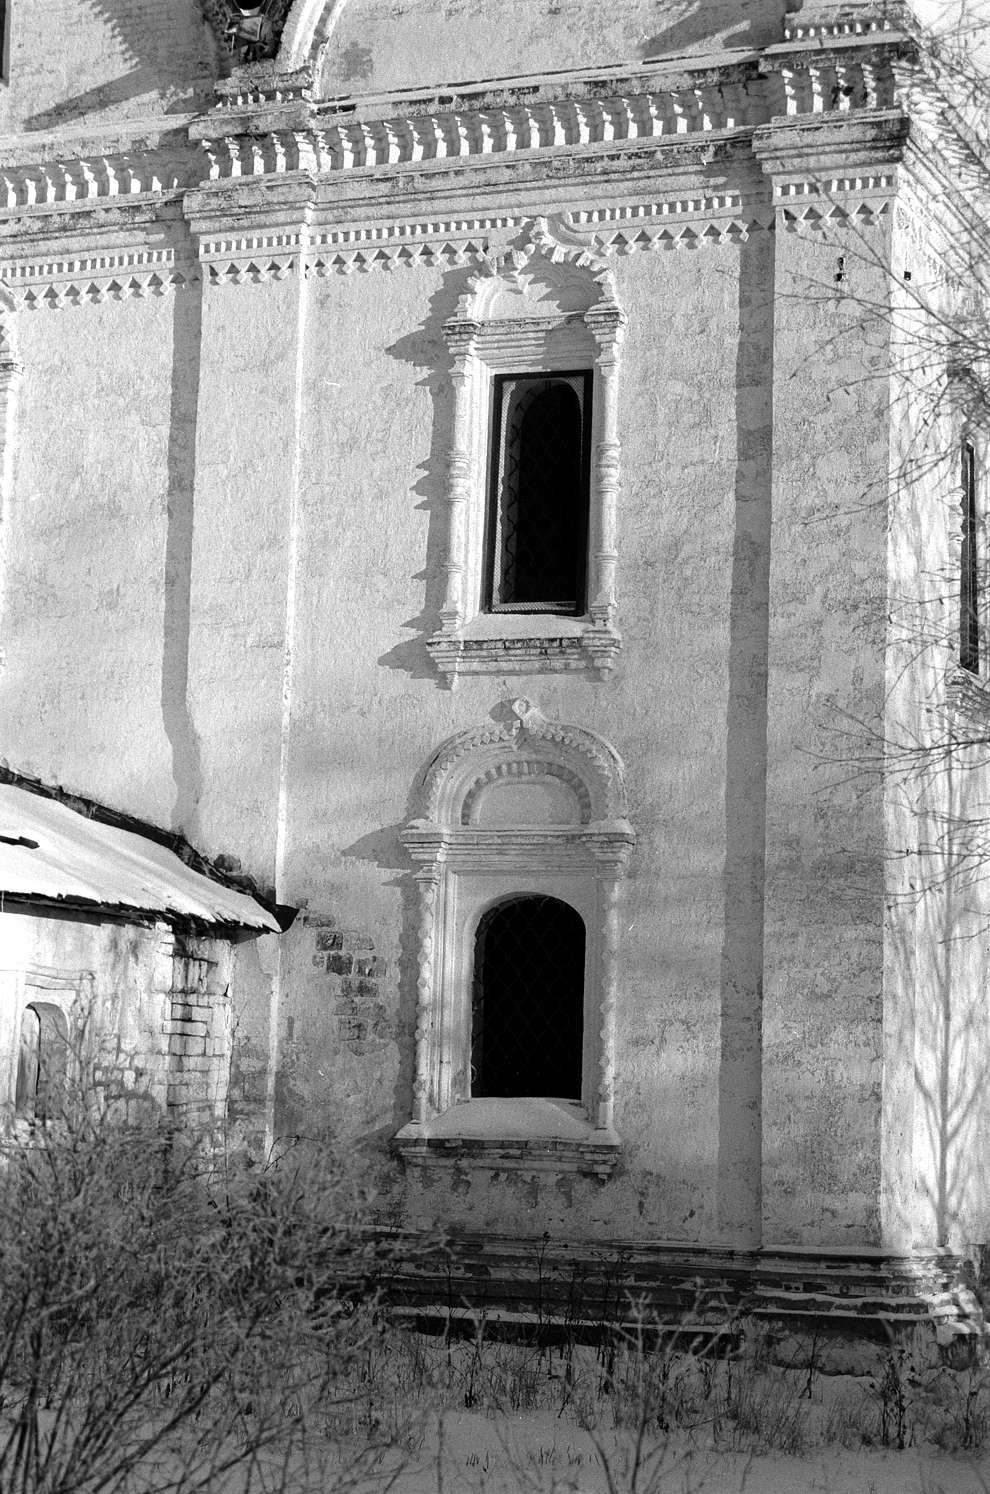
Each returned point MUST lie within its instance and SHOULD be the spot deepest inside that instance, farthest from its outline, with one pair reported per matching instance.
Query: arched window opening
(538, 518)
(969, 566)
(527, 1015)
(41, 1063)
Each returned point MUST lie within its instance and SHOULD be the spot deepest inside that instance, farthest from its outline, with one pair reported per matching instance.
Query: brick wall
(197, 1029)
(354, 976)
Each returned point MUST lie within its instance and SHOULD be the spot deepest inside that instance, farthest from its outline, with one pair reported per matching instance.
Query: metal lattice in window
(528, 1000)
(538, 515)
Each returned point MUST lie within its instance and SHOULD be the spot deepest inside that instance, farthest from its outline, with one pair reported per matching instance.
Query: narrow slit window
(969, 588)
(527, 1029)
(538, 508)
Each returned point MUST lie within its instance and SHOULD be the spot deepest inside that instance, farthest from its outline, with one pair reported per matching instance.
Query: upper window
(528, 533)
(538, 505)
(969, 566)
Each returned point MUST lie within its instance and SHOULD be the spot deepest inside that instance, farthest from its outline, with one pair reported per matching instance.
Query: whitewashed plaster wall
(222, 560)
(308, 789)
(77, 63)
(378, 45)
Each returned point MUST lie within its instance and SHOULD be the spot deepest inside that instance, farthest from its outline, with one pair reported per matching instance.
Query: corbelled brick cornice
(404, 178)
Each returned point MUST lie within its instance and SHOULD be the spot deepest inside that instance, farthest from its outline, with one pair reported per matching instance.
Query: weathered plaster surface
(85, 592)
(378, 45)
(83, 61)
(225, 559)
(825, 851)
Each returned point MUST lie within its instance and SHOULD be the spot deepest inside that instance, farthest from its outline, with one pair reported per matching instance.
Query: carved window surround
(544, 306)
(464, 864)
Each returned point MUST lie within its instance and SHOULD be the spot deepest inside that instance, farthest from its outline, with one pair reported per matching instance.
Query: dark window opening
(969, 597)
(527, 1027)
(41, 1063)
(538, 513)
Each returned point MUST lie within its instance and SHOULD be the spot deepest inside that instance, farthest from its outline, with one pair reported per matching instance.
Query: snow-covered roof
(49, 851)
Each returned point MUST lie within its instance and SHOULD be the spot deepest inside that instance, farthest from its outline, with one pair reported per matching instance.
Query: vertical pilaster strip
(740, 1145)
(282, 974)
(428, 880)
(609, 986)
(608, 324)
(460, 335)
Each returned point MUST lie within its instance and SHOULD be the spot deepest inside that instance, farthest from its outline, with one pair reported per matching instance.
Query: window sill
(528, 1135)
(525, 643)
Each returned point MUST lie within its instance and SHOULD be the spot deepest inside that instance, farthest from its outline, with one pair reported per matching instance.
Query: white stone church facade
(454, 478)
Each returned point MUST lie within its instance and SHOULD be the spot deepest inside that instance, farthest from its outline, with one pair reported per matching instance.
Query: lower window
(527, 1016)
(520, 848)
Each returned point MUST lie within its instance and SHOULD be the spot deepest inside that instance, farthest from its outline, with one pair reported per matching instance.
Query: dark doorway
(527, 1028)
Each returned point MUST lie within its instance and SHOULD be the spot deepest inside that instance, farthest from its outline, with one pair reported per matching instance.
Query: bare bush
(171, 1324)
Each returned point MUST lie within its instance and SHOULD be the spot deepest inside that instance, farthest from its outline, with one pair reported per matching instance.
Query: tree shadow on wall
(384, 848)
(159, 68)
(702, 25)
(426, 349)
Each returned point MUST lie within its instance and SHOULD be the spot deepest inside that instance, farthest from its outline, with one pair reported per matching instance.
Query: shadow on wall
(426, 349)
(946, 1044)
(740, 1069)
(177, 61)
(378, 45)
(177, 580)
(385, 850)
(703, 24)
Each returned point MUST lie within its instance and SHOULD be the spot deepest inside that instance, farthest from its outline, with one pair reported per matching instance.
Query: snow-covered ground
(536, 1454)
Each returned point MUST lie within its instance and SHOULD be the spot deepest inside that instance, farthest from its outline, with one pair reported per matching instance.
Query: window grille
(528, 1000)
(538, 514)
(969, 598)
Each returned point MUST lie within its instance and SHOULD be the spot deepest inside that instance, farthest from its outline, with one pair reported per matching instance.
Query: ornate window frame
(545, 307)
(463, 867)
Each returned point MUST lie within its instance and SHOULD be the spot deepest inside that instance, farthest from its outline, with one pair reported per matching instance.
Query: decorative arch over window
(522, 837)
(536, 337)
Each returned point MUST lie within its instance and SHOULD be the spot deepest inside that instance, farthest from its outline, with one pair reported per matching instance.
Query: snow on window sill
(532, 1135)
